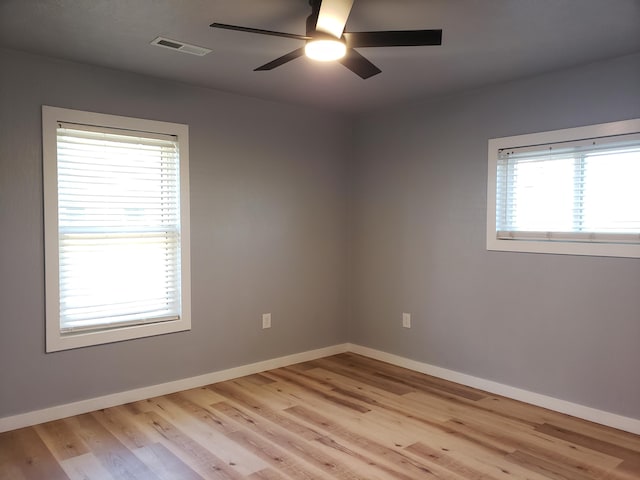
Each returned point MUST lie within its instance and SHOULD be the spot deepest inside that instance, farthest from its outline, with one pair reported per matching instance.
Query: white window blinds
(584, 191)
(118, 227)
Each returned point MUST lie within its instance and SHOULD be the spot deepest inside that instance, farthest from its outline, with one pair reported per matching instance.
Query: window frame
(562, 247)
(55, 339)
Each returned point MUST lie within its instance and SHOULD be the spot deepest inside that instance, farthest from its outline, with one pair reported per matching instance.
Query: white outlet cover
(266, 320)
(406, 320)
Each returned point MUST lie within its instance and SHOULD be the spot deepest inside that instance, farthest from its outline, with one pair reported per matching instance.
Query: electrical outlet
(406, 320)
(266, 320)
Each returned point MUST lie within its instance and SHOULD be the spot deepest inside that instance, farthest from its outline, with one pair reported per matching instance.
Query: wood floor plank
(9, 459)
(267, 474)
(27, 455)
(208, 435)
(202, 396)
(547, 468)
(401, 457)
(370, 466)
(61, 440)
(118, 422)
(555, 451)
(280, 459)
(86, 467)
(115, 457)
(630, 458)
(274, 391)
(341, 417)
(462, 410)
(590, 442)
(257, 405)
(375, 398)
(258, 379)
(199, 458)
(250, 442)
(349, 418)
(538, 416)
(303, 449)
(472, 466)
(404, 420)
(421, 405)
(407, 465)
(11, 471)
(310, 386)
(164, 463)
(518, 410)
(203, 413)
(367, 377)
(415, 380)
(289, 395)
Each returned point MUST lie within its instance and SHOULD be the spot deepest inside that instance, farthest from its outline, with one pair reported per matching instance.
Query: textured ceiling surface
(484, 42)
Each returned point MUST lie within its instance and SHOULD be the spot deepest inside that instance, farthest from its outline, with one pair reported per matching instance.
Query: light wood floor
(346, 417)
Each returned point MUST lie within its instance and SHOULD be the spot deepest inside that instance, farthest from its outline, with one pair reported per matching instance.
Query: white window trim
(555, 247)
(55, 341)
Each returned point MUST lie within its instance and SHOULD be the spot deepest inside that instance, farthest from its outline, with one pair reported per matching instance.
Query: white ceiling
(484, 41)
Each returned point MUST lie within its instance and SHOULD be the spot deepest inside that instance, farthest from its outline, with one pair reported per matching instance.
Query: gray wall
(268, 216)
(565, 326)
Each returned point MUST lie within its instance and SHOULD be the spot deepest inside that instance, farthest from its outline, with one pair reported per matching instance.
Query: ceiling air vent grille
(180, 46)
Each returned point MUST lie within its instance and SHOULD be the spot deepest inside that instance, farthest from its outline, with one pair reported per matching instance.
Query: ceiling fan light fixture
(326, 39)
(325, 50)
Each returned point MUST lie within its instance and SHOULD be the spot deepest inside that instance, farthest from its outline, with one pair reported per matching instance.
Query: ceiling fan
(326, 39)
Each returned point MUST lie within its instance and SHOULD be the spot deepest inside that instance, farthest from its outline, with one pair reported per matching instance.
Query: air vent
(180, 46)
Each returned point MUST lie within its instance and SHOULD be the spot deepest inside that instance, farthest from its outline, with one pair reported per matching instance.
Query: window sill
(57, 341)
(563, 247)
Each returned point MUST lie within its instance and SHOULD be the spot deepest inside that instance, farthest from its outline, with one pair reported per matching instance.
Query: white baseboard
(574, 409)
(76, 408)
(62, 411)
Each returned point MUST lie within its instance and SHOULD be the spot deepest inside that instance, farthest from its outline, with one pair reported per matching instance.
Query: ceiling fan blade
(401, 38)
(359, 65)
(333, 16)
(282, 60)
(259, 31)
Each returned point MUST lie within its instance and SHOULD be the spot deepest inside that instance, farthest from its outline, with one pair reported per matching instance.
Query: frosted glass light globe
(325, 50)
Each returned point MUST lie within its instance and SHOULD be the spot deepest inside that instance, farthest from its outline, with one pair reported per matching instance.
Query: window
(573, 191)
(116, 213)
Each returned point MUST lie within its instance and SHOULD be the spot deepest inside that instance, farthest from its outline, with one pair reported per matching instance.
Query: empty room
(325, 239)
